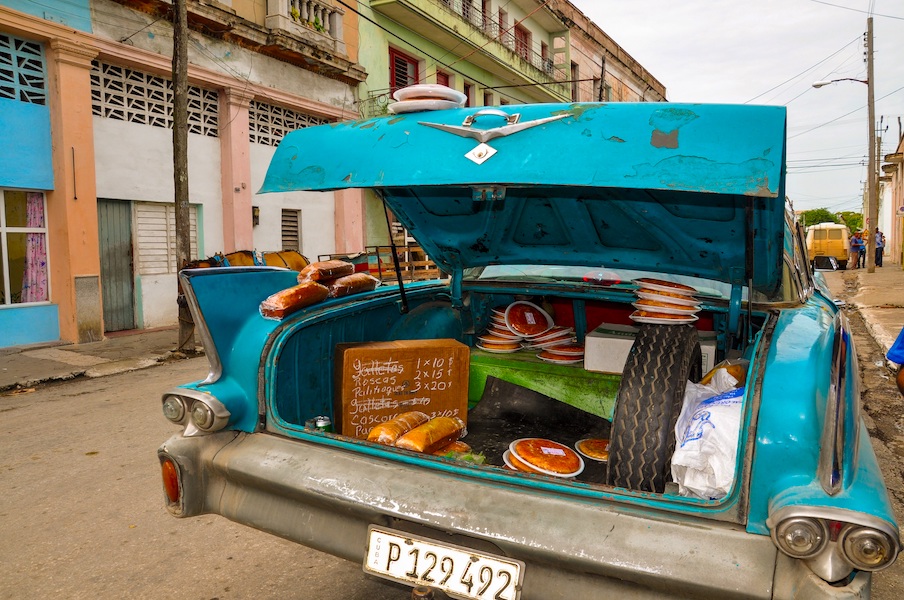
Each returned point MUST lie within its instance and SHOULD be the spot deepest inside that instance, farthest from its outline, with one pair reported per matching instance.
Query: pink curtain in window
(34, 280)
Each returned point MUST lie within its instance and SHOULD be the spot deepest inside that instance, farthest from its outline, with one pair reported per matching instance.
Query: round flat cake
(547, 456)
(525, 318)
(594, 448)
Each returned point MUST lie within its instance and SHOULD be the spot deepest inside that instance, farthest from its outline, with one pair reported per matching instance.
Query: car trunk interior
(510, 396)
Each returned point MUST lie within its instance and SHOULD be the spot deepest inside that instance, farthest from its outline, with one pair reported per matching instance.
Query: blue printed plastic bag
(706, 436)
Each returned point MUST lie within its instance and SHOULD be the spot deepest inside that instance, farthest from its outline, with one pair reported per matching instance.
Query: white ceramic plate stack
(663, 302)
(426, 96)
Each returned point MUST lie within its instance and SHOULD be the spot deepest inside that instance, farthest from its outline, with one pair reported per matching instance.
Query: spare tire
(662, 360)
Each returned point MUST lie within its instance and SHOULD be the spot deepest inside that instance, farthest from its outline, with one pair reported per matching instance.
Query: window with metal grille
(291, 229)
(403, 70)
(128, 95)
(22, 70)
(269, 124)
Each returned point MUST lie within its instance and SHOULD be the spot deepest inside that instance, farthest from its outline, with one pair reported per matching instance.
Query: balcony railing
(491, 28)
(314, 20)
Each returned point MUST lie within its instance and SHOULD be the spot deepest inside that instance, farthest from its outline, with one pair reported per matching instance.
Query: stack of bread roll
(417, 432)
(317, 282)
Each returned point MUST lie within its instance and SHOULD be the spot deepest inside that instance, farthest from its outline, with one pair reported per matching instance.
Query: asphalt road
(81, 509)
(82, 516)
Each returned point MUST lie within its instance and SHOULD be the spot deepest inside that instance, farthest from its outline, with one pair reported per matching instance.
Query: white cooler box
(606, 348)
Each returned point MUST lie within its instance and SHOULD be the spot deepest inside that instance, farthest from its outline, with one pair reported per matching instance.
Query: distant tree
(853, 220)
(818, 215)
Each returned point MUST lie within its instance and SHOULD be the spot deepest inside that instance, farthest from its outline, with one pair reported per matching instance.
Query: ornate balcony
(313, 20)
(313, 40)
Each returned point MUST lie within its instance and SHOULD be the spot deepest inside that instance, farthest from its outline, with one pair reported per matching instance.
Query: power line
(865, 12)
(803, 72)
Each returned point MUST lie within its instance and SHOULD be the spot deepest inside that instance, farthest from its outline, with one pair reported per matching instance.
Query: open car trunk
(510, 396)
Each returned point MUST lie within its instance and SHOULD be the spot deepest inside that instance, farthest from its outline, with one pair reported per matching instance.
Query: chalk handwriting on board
(384, 388)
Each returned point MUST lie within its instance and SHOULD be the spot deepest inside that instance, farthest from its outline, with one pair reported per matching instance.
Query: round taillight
(173, 408)
(170, 480)
(801, 537)
(202, 416)
(867, 549)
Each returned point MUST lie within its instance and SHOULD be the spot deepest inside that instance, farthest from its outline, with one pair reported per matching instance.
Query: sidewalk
(27, 366)
(879, 299)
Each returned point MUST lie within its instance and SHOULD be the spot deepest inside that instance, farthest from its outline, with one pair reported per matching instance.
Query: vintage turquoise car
(572, 208)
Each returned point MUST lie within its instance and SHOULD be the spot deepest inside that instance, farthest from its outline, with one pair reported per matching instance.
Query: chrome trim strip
(210, 350)
(830, 467)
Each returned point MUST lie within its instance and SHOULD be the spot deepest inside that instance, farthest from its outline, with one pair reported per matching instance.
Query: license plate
(457, 571)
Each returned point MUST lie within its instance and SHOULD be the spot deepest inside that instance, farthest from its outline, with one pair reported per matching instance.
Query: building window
(488, 99)
(522, 42)
(442, 78)
(505, 36)
(469, 94)
(291, 229)
(24, 277)
(403, 70)
(156, 236)
(127, 95)
(597, 90)
(575, 75)
(22, 70)
(269, 124)
(486, 11)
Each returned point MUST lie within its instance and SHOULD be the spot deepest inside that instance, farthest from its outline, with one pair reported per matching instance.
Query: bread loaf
(351, 284)
(432, 435)
(389, 431)
(325, 269)
(456, 447)
(289, 300)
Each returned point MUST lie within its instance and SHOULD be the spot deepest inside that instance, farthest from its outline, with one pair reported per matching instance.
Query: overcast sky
(770, 52)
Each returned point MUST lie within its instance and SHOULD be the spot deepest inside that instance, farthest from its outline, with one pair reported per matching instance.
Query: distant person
(856, 249)
(864, 235)
(880, 247)
(896, 355)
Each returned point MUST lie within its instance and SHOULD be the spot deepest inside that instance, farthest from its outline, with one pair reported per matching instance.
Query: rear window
(819, 234)
(835, 234)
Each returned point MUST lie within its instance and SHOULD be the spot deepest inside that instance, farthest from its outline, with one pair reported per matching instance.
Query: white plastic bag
(706, 437)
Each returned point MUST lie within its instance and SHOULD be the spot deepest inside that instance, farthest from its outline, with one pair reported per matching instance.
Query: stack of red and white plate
(498, 337)
(563, 354)
(511, 324)
(546, 457)
(661, 302)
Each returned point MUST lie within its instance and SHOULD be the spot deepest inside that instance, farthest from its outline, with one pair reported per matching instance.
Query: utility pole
(872, 205)
(180, 160)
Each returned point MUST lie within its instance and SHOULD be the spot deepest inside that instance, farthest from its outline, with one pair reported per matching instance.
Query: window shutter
(156, 235)
(291, 229)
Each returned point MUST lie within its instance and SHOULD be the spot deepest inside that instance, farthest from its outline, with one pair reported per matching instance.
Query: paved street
(82, 517)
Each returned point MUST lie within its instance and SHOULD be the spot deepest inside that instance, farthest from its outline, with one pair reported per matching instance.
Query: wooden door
(114, 225)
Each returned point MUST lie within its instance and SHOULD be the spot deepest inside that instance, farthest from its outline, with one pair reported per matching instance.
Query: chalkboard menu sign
(377, 381)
